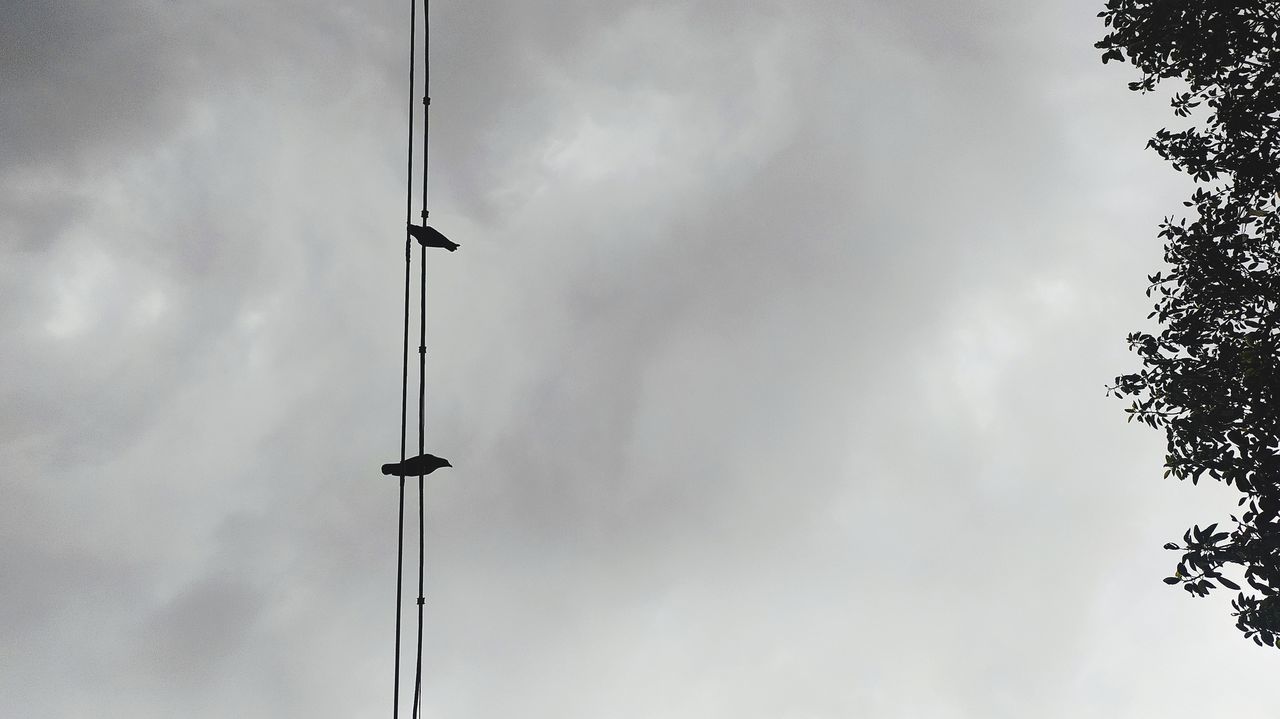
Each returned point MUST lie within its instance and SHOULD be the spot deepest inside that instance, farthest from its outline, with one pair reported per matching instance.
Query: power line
(422, 347)
(424, 463)
(404, 353)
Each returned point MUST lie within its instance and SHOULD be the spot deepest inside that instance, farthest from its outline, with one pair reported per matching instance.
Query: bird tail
(389, 469)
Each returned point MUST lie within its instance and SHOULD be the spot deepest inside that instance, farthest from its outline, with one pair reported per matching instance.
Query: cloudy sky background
(772, 365)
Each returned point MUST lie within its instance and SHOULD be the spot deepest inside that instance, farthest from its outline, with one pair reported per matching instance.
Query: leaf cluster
(1211, 377)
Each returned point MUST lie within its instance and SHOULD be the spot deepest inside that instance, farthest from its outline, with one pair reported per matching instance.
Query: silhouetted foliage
(1211, 379)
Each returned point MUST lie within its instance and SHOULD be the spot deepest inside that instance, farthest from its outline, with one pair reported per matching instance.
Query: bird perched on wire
(415, 466)
(430, 237)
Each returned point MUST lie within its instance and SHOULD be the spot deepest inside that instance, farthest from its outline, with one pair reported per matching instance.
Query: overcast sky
(772, 365)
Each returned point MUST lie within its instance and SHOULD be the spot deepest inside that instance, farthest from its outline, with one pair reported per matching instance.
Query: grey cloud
(771, 365)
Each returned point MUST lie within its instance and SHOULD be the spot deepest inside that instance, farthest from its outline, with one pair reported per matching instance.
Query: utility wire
(422, 388)
(422, 348)
(404, 354)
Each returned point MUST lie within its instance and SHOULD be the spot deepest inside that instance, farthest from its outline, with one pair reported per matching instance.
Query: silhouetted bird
(415, 466)
(430, 237)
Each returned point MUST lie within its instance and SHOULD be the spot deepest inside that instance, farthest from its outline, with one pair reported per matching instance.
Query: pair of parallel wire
(422, 352)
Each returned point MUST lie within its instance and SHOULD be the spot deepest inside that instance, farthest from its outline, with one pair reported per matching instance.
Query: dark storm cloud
(768, 363)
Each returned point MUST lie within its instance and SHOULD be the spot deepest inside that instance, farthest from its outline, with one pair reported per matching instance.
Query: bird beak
(446, 463)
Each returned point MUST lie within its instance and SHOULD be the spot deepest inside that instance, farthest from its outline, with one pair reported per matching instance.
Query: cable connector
(421, 601)
(422, 349)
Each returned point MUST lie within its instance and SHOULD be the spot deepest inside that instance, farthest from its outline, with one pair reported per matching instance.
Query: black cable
(404, 372)
(426, 100)
(422, 389)
(422, 349)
